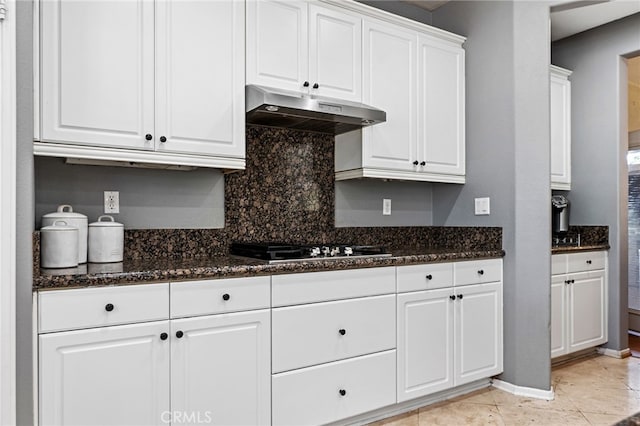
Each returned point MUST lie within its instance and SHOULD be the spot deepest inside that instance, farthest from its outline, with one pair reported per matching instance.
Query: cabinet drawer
(323, 332)
(97, 307)
(558, 264)
(587, 261)
(312, 396)
(478, 271)
(309, 287)
(219, 296)
(424, 277)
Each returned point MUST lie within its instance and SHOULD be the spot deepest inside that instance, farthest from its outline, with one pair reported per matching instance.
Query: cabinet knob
(573, 281)
(109, 307)
(481, 272)
(429, 277)
(306, 84)
(226, 297)
(342, 331)
(460, 296)
(588, 262)
(415, 163)
(163, 336)
(163, 139)
(566, 281)
(452, 297)
(148, 136)
(315, 85)
(423, 163)
(342, 392)
(179, 334)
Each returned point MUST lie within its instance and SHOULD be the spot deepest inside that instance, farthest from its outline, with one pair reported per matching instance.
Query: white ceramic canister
(106, 240)
(78, 220)
(59, 245)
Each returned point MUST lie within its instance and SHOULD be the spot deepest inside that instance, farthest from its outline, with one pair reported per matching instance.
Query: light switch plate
(483, 206)
(386, 206)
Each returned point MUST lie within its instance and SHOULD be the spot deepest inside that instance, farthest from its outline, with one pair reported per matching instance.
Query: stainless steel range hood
(279, 108)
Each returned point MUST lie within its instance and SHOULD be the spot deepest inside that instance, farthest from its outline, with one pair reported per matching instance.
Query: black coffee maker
(560, 214)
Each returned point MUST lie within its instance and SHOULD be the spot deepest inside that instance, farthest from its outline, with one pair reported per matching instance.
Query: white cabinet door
(200, 77)
(389, 83)
(558, 315)
(560, 123)
(478, 332)
(587, 310)
(105, 376)
(97, 71)
(335, 53)
(441, 131)
(277, 44)
(425, 343)
(221, 368)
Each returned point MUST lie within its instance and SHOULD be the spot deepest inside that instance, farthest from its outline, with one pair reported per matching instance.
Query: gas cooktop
(278, 252)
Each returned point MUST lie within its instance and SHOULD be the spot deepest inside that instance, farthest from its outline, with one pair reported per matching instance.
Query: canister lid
(59, 226)
(109, 222)
(65, 211)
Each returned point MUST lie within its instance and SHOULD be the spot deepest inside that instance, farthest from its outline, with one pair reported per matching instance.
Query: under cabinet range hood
(291, 110)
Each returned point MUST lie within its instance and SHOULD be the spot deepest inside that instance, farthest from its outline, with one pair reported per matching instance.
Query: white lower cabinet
(578, 302)
(105, 376)
(330, 392)
(450, 336)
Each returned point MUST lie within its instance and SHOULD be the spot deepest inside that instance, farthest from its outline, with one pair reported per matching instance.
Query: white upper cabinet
(140, 81)
(97, 77)
(560, 124)
(389, 79)
(441, 125)
(307, 48)
(415, 74)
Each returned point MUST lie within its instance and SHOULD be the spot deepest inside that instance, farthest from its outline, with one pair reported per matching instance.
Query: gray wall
(403, 9)
(359, 203)
(507, 119)
(148, 198)
(24, 216)
(599, 146)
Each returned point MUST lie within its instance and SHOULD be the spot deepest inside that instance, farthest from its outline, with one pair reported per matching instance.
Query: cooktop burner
(276, 252)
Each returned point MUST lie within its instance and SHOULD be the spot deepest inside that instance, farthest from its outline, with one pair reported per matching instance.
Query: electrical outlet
(111, 202)
(386, 206)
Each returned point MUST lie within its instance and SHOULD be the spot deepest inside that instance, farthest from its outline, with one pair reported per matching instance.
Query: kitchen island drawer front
(478, 272)
(219, 296)
(323, 332)
(309, 287)
(587, 261)
(98, 307)
(330, 392)
(424, 277)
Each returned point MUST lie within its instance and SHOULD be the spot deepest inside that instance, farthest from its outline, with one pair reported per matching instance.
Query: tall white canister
(77, 220)
(106, 240)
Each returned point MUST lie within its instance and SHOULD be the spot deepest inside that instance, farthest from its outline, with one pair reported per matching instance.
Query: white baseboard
(524, 391)
(614, 353)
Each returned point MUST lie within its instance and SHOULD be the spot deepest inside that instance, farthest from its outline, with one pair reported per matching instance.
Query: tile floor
(598, 390)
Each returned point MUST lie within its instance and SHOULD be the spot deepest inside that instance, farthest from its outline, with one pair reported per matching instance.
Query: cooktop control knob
(326, 251)
(314, 252)
(335, 251)
(348, 251)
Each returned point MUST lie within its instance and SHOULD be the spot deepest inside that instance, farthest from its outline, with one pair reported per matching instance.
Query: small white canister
(78, 220)
(106, 240)
(59, 245)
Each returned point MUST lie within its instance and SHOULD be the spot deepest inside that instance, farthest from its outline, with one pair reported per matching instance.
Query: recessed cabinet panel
(105, 376)
(335, 53)
(277, 43)
(558, 316)
(560, 124)
(97, 68)
(441, 121)
(389, 81)
(424, 277)
(587, 311)
(200, 86)
(220, 368)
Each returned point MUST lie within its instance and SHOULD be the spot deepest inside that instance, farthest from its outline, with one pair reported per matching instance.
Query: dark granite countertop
(575, 249)
(166, 269)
